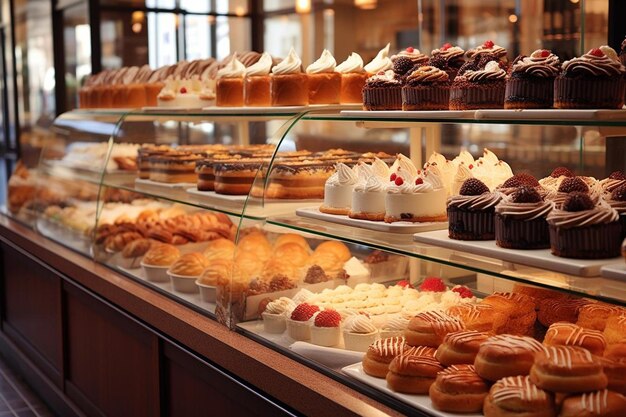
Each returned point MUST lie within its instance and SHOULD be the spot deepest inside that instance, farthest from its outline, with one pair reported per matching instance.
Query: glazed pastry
(460, 347)
(380, 354)
(292, 238)
(459, 389)
(116, 243)
(288, 84)
(161, 255)
(569, 334)
(560, 309)
(594, 315)
(615, 329)
(518, 395)
(218, 273)
(519, 308)
(189, 265)
(591, 404)
(324, 83)
(219, 249)
(506, 355)
(480, 317)
(430, 328)
(567, 369)
(412, 374)
(615, 371)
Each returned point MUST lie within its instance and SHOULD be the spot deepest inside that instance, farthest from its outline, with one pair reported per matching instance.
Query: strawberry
(488, 44)
(304, 312)
(596, 52)
(545, 53)
(561, 171)
(446, 46)
(404, 284)
(410, 49)
(571, 184)
(398, 181)
(463, 291)
(419, 181)
(328, 318)
(393, 177)
(183, 90)
(432, 284)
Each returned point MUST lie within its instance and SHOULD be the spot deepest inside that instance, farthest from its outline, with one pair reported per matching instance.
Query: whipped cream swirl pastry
(491, 72)
(416, 199)
(234, 69)
(598, 62)
(282, 306)
(325, 63)
(541, 63)
(353, 64)
(292, 64)
(359, 324)
(262, 66)
(381, 62)
(338, 190)
(402, 166)
(368, 198)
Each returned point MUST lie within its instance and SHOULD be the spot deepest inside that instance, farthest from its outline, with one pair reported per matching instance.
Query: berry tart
(584, 230)
(531, 82)
(426, 88)
(471, 213)
(592, 81)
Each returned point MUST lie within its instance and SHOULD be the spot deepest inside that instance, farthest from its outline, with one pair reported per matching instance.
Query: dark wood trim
(296, 385)
(60, 92)
(81, 400)
(257, 29)
(617, 28)
(14, 134)
(94, 14)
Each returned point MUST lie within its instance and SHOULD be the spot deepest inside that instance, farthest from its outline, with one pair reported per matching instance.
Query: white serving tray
(614, 271)
(166, 186)
(397, 227)
(551, 114)
(539, 258)
(421, 402)
(399, 114)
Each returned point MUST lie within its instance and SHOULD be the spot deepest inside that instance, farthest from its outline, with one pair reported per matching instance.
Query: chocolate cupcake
(531, 83)
(521, 220)
(448, 58)
(471, 214)
(426, 88)
(584, 230)
(414, 55)
(569, 185)
(592, 81)
(480, 89)
(622, 58)
(613, 181)
(617, 200)
(383, 91)
(490, 50)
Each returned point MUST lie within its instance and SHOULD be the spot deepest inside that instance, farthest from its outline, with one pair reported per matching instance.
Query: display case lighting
(303, 6)
(366, 4)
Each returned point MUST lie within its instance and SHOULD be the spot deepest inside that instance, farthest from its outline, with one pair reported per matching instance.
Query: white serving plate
(421, 402)
(397, 227)
(147, 184)
(539, 258)
(614, 271)
(417, 115)
(551, 114)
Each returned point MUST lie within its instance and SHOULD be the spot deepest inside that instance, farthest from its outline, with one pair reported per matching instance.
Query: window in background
(231, 34)
(162, 39)
(281, 33)
(198, 35)
(77, 48)
(124, 38)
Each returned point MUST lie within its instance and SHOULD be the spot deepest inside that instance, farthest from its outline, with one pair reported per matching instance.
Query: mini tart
(518, 395)
(506, 355)
(569, 334)
(567, 369)
(429, 328)
(412, 374)
(603, 403)
(459, 389)
(460, 347)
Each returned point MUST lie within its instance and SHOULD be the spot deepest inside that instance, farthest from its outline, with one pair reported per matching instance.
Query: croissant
(161, 234)
(116, 243)
(328, 261)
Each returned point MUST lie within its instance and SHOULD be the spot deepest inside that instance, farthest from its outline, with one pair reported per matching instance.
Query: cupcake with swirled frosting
(426, 88)
(480, 89)
(531, 82)
(617, 200)
(383, 91)
(471, 213)
(521, 220)
(593, 81)
(584, 230)
(448, 58)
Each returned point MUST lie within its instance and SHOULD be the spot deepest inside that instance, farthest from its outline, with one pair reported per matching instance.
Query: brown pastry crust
(560, 309)
(381, 353)
(615, 330)
(569, 334)
(412, 374)
(615, 371)
(518, 396)
(292, 238)
(459, 389)
(161, 254)
(367, 216)
(480, 317)
(594, 315)
(137, 248)
(506, 355)
(520, 310)
(460, 347)
(334, 210)
(429, 328)
(567, 369)
(190, 265)
(592, 404)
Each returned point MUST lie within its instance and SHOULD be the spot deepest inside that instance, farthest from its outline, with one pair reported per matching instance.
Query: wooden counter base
(75, 320)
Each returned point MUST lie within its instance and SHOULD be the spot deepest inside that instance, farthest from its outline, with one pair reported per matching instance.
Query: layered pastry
(421, 199)
(229, 86)
(430, 328)
(597, 403)
(353, 78)
(520, 221)
(412, 374)
(256, 84)
(480, 89)
(143, 158)
(383, 91)
(323, 82)
(458, 389)
(460, 347)
(288, 84)
(567, 369)
(368, 196)
(426, 88)
(381, 62)
(235, 177)
(302, 179)
(518, 395)
(583, 230)
(519, 310)
(338, 190)
(592, 81)
(531, 82)
(471, 213)
(448, 58)
(559, 309)
(188, 93)
(506, 355)
(594, 316)
(479, 317)
(174, 167)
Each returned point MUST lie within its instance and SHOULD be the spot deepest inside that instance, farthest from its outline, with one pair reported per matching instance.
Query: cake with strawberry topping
(593, 81)
(448, 58)
(300, 321)
(520, 220)
(416, 199)
(531, 82)
(471, 213)
(325, 329)
(584, 230)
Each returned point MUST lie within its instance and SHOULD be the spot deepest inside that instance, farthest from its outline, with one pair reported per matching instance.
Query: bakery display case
(321, 231)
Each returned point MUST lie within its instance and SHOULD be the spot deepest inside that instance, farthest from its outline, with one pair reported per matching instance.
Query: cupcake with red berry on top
(448, 58)
(426, 88)
(521, 179)
(479, 89)
(489, 50)
(325, 330)
(300, 322)
(471, 213)
(614, 180)
(413, 55)
(593, 81)
(574, 184)
(531, 82)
